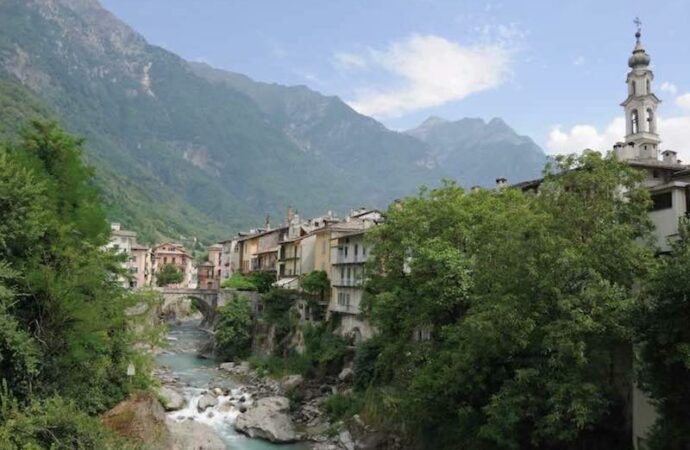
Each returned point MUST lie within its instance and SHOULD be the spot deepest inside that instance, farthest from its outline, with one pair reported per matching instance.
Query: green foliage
(52, 424)
(504, 316)
(342, 406)
(233, 329)
(168, 274)
(262, 280)
(663, 336)
(239, 282)
(316, 283)
(323, 348)
(279, 366)
(65, 336)
(278, 305)
(364, 368)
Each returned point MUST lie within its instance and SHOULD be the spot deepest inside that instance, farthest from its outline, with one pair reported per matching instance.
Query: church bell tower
(640, 107)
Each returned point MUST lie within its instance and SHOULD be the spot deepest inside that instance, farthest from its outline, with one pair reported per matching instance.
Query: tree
(239, 282)
(168, 274)
(63, 328)
(663, 338)
(262, 280)
(316, 283)
(233, 328)
(503, 316)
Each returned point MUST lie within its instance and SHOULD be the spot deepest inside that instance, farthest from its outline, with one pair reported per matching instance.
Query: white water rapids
(195, 376)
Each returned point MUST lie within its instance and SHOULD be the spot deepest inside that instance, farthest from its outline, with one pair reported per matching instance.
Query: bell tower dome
(640, 107)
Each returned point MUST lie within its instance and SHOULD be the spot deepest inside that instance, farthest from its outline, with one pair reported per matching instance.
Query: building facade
(175, 254)
(138, 257)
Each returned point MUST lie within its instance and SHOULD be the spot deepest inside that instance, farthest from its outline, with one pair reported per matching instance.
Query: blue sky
(554, 70)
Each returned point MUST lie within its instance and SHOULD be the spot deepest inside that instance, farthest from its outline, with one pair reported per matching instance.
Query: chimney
(290, 215)
(670, 157)
(268, 222)
(501, 183)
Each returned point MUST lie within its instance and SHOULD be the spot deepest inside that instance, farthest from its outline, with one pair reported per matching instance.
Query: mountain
(185, 150)
(477, 152)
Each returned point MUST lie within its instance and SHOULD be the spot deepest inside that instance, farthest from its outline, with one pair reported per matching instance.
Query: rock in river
(194, 435)
(206, 401)
(171, 399)
(268, 420)
(291, 382)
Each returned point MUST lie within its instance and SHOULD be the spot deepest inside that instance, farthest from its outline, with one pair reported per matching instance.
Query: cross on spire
(638, 22)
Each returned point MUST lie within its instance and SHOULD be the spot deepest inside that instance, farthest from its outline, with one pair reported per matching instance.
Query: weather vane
(638, 22)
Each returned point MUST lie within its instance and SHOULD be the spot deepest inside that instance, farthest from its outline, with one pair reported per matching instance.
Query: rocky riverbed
(229, 405)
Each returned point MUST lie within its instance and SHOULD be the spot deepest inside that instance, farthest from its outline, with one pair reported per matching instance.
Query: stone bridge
(206, 300)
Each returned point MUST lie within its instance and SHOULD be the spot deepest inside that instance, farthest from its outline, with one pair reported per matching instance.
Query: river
(197, 374)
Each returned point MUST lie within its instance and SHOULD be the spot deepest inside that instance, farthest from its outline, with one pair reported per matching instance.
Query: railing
(350, 259)
(347, 282)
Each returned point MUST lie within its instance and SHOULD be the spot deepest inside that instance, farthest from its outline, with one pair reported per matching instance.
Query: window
(634, 121)
(345, 251)
(165, 260)
(356, 250)
(662, 201)
(364, 251)
(650, 121)
(323, 247)
(649, 87)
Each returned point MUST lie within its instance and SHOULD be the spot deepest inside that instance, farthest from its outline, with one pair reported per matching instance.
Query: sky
(552, 69)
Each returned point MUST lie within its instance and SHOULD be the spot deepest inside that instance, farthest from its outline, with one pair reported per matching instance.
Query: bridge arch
(205, 300)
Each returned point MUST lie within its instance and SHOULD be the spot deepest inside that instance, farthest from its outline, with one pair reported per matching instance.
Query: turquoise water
(202, 374)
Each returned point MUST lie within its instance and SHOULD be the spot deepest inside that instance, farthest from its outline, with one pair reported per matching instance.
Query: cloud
(427, 71)
(683, 101)
(581, 137)
(674, 132)
(668, 87)
(349, 61)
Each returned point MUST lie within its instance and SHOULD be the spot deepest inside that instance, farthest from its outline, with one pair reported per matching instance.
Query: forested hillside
(186, 151)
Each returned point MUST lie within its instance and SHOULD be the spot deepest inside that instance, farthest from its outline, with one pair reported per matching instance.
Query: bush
(324, 348)
(342, 406)
(365, 364)
(169, 274)
(239, 282)
(55, 424)
(233, 330)
(278, 367)
(262, 280)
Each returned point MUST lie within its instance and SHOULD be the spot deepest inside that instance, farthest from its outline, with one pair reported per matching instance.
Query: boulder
(140, 419)
(170, 398)
(268, 420)
(345, 375)
(291, 382)
(228, 366)
(190, 434)
(206, 401)
(345, 440)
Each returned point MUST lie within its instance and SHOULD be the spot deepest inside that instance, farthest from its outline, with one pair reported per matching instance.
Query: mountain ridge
(183, 149)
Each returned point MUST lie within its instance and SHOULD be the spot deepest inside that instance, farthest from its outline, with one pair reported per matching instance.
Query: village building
(349, 253)
(138, 262)
(175, 254)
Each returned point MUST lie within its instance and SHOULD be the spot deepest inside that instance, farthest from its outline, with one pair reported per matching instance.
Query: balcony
(349, 309)
(347, 282)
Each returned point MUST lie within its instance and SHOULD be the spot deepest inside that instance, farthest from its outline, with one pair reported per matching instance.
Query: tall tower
(640, 106)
